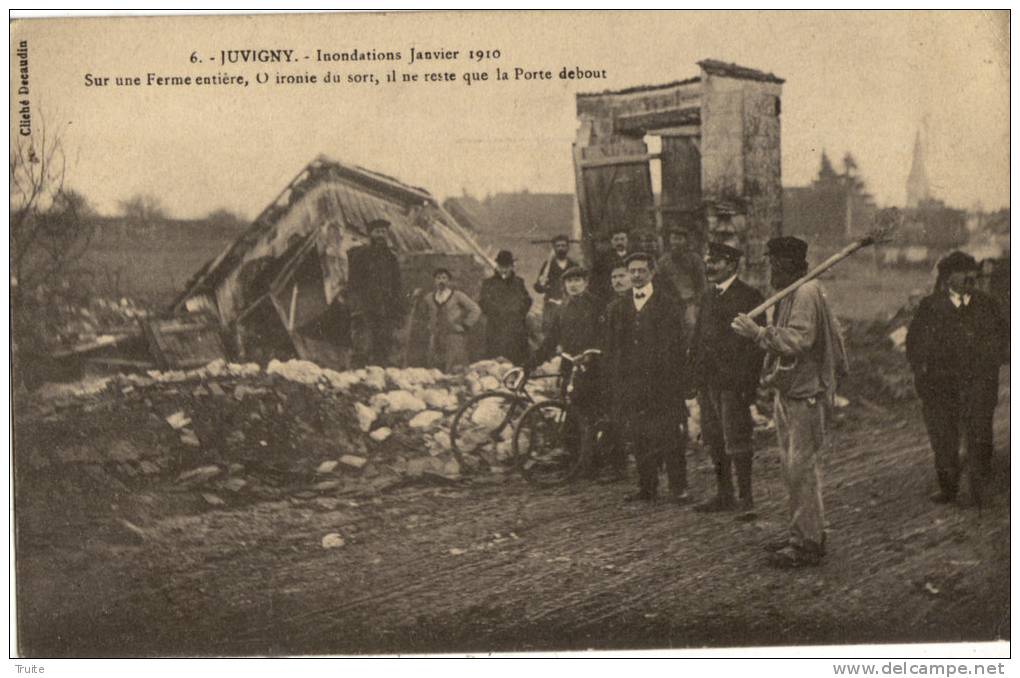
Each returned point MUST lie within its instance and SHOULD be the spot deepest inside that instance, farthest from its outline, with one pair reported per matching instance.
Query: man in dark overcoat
(375, 297)
(505, 302)
(645, 357)
(725, 368)
(955, 344)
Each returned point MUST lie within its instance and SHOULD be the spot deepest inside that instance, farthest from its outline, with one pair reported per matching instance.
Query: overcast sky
(859, 82)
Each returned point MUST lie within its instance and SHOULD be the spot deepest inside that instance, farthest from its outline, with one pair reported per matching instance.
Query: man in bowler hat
(505, 302)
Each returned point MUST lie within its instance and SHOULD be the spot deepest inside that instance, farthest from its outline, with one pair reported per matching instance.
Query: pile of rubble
(69, 324)
(227, 434)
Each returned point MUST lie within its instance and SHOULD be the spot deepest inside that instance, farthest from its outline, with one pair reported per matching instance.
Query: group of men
(674, 326)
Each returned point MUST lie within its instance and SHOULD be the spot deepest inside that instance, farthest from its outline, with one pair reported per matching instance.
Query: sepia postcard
(453, 332)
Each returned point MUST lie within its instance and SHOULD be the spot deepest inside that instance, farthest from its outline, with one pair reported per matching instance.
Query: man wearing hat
(505, 302)
(804, 357)
(550, 279)
(955, 345)
(684, 271)
(375, 297)
(447, 315)
(725, 370)
(645, 352)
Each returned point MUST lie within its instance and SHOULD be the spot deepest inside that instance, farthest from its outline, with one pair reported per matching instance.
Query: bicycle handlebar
(581, 356)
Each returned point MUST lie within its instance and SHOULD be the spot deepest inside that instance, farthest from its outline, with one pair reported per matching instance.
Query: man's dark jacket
(645, 356)
(505, 304)
(575, 328)
(373, 282)
(721, 358)
(949, 346)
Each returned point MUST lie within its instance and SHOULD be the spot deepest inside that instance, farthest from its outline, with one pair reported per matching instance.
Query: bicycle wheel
(547, 444)
(482, 429)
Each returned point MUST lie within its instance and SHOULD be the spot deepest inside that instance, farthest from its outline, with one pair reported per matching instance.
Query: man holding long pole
(805, 355)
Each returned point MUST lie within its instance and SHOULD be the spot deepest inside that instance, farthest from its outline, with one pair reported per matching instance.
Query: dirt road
(498, 565)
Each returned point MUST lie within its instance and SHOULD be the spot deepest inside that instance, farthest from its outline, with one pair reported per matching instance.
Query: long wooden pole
(811, 275)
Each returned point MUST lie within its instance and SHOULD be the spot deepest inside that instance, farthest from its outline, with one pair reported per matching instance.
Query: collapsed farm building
(277, 291)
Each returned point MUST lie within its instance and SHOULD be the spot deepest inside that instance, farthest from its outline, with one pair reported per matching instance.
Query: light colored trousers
(800, 425)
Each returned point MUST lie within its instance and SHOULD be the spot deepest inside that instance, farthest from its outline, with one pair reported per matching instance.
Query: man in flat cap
(955, 345)
(575, 328)
(725, 369)
(550, 279)
(804, 357)
(375, 296)
(645, 352)
(505, 302)
(684, 271)
(447, 315)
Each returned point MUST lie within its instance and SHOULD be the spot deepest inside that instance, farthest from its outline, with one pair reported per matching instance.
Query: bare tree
(51, 224)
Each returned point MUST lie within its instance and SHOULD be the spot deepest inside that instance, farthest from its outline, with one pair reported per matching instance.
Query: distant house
(276, 285)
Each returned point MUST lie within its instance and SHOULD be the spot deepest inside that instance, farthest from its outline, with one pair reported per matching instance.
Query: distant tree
(142, 209)
(226, 219)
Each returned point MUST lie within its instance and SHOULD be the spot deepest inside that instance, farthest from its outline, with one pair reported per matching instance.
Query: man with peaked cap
(645, 357)
(505, 302)
(725, 368)
(550, 279)
(375, 297)
(804, 357)
(955, 345)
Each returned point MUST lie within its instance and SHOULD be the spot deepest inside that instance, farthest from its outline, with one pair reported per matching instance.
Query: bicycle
(482, 428)
(554, 440)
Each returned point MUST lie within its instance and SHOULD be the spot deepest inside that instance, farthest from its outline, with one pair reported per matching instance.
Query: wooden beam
(678, 131)
(619, 160)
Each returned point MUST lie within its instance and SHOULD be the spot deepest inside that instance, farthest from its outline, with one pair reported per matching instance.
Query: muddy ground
(493, 564)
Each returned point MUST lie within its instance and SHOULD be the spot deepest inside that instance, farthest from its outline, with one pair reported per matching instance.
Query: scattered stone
(199, 475)
(366, 416)
(235, 484)
(326, 485)
(327, 466)
(216, 389)
(241, 391)
(397, 401)
(353, 461)
(333, 540)
(841, 402)
(178, 420)
(425, 419)
(200, 391)
(381, 434)
(457, 552)
(212, 499)
(133, 532)
(188, 437)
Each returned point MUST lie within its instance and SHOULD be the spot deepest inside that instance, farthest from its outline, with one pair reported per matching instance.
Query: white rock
(403, 401)
(489, 383)
(300, 371)
(425, 419)
(342, 381)
(327, 466)
(381, 434)
(216, 367)
(375, 377)
(178, 420)
(439, 399)
(333, 540)
(899, 338)
(353, 461)
(366, 416)
(442, 440)
(489, 414)
(841, 402)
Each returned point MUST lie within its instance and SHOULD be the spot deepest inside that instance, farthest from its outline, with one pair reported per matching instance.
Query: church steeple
(917, 182)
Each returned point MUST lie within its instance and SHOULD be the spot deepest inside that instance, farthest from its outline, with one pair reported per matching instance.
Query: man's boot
(745, 504)
(723, 499)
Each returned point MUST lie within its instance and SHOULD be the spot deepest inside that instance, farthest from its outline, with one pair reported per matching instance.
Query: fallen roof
(321, 169)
